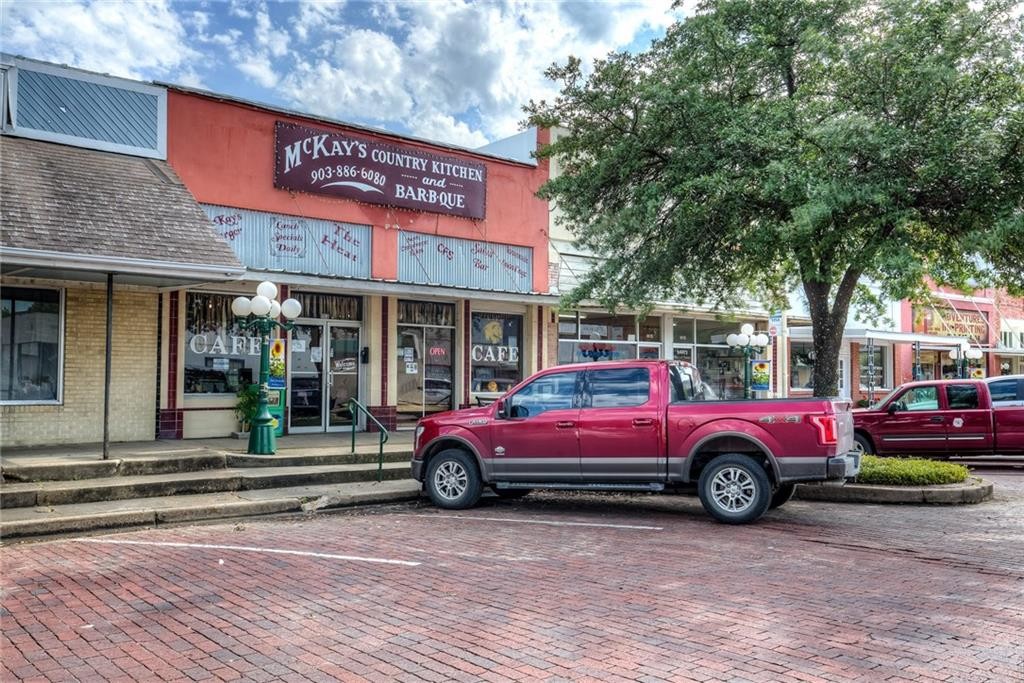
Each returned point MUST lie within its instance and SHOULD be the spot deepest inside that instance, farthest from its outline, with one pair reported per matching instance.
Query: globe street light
(261, 315)
(961, 355)
(751, 344)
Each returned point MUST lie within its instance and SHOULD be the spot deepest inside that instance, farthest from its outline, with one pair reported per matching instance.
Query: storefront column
(171, 415)
(380, 315)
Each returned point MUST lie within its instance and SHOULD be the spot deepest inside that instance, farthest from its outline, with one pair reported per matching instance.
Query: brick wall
(133, 374)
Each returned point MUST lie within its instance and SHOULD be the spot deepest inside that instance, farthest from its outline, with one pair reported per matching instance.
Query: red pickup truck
(939, 419)
(634, 426)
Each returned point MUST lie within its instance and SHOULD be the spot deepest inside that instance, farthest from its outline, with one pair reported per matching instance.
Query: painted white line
(538, 521)
(250, 549)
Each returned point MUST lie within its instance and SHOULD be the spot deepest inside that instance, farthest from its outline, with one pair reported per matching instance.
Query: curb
(974, 490)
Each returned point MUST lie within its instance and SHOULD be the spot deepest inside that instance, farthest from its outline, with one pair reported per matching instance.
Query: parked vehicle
(940, 418)
(1006, 390)
(634, 426)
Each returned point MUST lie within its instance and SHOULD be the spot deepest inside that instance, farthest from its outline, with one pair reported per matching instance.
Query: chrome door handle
(642, 422)
(937, 419)
(566, 424)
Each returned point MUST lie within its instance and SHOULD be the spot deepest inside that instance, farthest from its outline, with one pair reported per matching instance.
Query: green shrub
(909, 471)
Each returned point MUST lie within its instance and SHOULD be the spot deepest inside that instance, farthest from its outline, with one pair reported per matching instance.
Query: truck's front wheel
(453, 480)
(734, 489)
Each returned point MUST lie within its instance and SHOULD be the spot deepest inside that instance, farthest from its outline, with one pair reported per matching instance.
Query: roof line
(118, 264)
(337, 122)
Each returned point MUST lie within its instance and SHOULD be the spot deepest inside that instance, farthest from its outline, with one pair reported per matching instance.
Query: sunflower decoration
(277, 358)
(760, 372)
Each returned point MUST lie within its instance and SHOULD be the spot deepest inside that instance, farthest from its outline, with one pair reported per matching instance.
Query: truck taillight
(827, 429)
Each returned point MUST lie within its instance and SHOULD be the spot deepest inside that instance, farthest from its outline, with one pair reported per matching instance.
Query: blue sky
(453, 71)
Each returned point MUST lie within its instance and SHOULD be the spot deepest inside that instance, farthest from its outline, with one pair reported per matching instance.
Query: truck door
(621, 427)
(918, 425)
(539, 439)
(968, 424)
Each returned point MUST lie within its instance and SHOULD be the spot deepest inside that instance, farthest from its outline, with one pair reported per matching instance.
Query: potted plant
(246, 407)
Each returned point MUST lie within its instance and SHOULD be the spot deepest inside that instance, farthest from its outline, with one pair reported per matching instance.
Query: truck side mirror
(502, 410)
(893, 407)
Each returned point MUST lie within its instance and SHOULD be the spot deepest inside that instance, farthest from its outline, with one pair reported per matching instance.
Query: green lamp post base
(262, 440)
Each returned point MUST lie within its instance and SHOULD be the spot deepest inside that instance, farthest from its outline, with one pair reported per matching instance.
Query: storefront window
(716, 331)
(426, 359)
(881, 369)
(801, 365)
(682, 330)
(329, 306)
(496, 353)
(220, 357)
(723, 370)
(31, 345)
(603, 336)
(608, 327)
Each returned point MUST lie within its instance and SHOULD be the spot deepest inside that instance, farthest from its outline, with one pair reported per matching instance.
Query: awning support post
(106, 371)
(917, 361)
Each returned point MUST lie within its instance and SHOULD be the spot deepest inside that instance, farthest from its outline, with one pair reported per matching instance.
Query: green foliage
(766, 145)
(247, 404)
(909, 472)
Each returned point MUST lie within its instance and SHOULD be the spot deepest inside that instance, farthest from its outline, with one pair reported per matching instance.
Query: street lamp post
(750, 344)
(261, 314)
(960, 355)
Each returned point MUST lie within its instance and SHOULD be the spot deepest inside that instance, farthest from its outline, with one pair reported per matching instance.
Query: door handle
(938, 419)
(642, 422)
(565, 424)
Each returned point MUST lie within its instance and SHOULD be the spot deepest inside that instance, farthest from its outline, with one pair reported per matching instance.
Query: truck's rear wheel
(782, 495)
(734, 489)
(453, 480)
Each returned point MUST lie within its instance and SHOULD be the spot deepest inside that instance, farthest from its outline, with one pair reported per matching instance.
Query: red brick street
(554, 587)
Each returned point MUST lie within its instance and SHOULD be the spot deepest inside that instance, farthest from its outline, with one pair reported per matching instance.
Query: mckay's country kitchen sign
(340, 164)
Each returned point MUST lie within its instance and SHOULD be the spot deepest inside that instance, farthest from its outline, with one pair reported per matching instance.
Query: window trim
(61, 323)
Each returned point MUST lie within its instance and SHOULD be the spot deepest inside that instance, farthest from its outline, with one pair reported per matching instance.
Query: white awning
(927, 341)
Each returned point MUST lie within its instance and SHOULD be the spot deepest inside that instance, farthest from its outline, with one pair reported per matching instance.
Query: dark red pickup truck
(634, 426)
(939, 419)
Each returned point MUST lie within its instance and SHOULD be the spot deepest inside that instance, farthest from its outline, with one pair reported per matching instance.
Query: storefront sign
(497, 354)
(952, 322)
(203, 345)
(366, 170)
(454, 262)
(266, 241)
(760, 375)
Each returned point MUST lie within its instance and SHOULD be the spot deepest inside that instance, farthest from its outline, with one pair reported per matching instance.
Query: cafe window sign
(363, 169)
(496, 352)
(454, 262)
(219, 357)
(292, 244)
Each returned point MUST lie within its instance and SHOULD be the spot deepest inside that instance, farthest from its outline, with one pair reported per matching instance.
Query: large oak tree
(767, 145)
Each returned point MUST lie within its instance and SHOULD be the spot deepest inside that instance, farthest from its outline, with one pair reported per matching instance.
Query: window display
(496, 353)
(219, 357)
(31, 333)
(587, 337)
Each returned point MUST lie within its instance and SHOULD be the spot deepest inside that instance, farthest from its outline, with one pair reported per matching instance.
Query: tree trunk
(828, 324)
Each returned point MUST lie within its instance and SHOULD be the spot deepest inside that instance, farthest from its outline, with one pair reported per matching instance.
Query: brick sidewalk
(815, 592)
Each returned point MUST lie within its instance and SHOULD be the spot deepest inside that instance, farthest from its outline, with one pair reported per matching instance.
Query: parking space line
(252, 549)
(633, 527)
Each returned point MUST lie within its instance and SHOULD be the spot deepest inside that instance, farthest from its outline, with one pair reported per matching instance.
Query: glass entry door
(324, 373)
(342, 374)
(425, 372)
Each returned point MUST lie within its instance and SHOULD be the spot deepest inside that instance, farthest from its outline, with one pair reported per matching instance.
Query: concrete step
(50, 493)
(39, 470)
(148, 512)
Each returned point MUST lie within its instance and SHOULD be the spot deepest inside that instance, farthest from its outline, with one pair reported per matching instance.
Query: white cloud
(444, 127)
(362, 77)
(315, 15)
(118, 38)
(270, 39)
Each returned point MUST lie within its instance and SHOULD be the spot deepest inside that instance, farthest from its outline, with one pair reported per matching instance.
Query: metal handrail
(384, 434)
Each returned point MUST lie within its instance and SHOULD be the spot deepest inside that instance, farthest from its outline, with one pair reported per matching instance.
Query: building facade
(421, 269)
